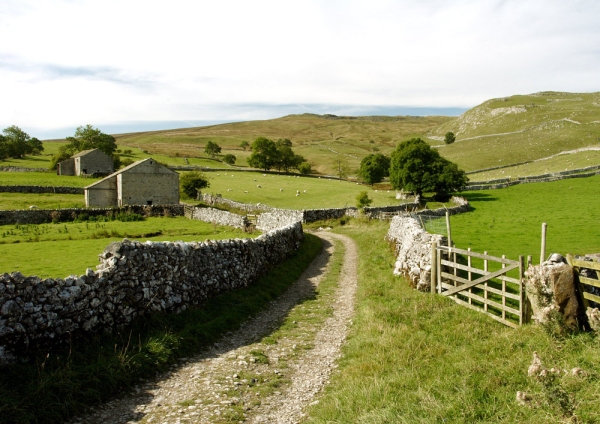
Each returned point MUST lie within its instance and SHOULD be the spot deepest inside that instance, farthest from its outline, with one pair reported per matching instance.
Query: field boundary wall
(41, 216)
(132, 280)
(507, 182)
(412, 244)
(40, 189)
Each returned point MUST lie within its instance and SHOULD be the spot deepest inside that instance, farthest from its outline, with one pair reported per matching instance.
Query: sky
(133, 65)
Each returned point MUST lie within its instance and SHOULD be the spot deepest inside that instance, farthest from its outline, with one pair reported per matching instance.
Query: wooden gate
(493, 292)
(577, 265)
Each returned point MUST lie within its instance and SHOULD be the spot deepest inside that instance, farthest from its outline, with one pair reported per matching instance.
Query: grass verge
(414, 357)
(55, 386)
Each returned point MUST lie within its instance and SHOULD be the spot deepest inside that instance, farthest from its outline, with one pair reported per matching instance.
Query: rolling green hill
(517, 129)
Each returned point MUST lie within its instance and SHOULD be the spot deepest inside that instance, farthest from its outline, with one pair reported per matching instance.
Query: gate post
(523, 293)
(434, 270)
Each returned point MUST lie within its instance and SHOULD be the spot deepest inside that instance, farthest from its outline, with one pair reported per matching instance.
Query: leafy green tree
(244, 145)
(283, 142)
(374, 168)
(16, 143)
(229, 159)
(264, 154)
(190, 183)
(212, 149)
(417, 167)
(86, 138)
(304, 168)
(449, 138)
(363, 200)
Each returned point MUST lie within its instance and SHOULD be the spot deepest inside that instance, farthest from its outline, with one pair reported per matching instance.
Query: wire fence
(433, 224)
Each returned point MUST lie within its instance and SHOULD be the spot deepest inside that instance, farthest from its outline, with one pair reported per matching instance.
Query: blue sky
(132, 65)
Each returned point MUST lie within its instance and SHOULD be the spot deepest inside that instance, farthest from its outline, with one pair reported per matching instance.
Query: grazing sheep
(246, 191)
(280, 189)
(258, 186)
(264, 175)
(33, 207)
(228, 189)
(305, 191)
(297, 191)
(255, 179)
(297, 194)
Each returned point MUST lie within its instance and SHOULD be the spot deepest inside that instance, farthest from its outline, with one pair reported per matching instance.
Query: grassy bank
(54, 387)
(82, 242)
(414, 357)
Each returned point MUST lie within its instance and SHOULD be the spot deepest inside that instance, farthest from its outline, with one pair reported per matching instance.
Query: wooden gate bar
(480, 280)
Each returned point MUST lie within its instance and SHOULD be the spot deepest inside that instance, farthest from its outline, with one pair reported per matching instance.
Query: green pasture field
(565, 162)
(14, 201)
(320, 192)
(413, 357)
(508, 221)
(62, 249)
(44, 179)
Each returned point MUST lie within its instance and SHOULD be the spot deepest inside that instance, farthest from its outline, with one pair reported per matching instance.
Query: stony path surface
(244, 379)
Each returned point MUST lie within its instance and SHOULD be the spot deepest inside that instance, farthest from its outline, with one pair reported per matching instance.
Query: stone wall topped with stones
(41, 216)
(40, 189)
(216, 216)
(133, 279)
(269, 220)
(412, 244)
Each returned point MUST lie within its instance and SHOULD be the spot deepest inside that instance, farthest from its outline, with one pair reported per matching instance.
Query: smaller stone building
(145, 182)
(87, 162)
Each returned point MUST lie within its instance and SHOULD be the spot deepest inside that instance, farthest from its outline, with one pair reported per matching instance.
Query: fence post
(434, 270)
(522, 292)
(485, 286)
(448, 229)
(543, 251)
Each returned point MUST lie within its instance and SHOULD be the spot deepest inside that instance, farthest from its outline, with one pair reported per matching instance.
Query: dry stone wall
(41, 189)
(40, 216)
(412, 245)
(133, 279)
(216, 216)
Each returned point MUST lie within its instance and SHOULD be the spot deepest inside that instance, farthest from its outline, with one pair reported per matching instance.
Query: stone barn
(87, 162)
(145, 182)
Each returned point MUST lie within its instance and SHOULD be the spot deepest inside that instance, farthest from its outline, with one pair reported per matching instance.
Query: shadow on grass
(478, 197)
(55, 386)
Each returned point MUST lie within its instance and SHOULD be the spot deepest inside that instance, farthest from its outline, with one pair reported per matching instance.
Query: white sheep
(305, 191)
(297, 194)
(246, 191)
(228, 189)
(33, 207)
(258, 186)
(280, 189)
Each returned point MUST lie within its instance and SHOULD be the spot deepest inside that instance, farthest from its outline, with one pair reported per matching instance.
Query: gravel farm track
(214, 386)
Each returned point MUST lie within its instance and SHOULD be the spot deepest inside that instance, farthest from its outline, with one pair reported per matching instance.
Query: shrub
(190, 183)
(362, 200)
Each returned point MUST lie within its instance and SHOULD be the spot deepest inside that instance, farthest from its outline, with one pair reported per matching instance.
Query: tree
(16, 143)
(449, 138)
(304, 168)
(190, 183)
(417, 167)
(342, 168)
(244, 145)
(283, 142)
(373, 168)
(229, 159)
(362, 200)
(86, 138)
(264, 154)
(212, 149)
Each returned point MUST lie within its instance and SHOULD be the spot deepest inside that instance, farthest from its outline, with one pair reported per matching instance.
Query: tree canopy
(417, 167)
(87, 138)
(190, 183)
(229, 159)
(374, 168)
(16, 143)
(212, 149)
(449, 138)
(267, 154)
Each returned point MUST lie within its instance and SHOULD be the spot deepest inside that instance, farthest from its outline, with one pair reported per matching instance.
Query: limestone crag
(132, 280)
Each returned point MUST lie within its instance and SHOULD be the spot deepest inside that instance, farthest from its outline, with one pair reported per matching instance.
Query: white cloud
(73, 62)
